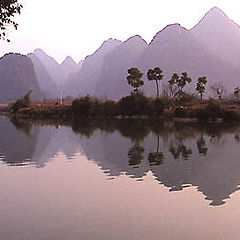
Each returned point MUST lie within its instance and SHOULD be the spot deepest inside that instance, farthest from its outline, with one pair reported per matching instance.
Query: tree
(8, 8)
(156, 75)
(201, 85)
(23, 102)
(135, 78)
(237, 92)
(180, 82)
(172, 85)
(218, 89)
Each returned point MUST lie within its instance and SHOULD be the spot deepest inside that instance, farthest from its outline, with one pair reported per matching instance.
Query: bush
(135, 104)
(212, 111)
(83, 106)
(188, 99)
(180, 112)
(231, 116)
(157, 107)
(23, 102)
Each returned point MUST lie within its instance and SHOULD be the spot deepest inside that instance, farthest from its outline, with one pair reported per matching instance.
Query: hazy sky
(78, 28)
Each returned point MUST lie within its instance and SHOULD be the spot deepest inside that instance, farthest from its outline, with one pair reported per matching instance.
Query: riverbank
(135, 106)
(201, 112)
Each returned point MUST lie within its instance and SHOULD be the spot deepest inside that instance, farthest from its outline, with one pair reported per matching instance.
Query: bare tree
(218, 90)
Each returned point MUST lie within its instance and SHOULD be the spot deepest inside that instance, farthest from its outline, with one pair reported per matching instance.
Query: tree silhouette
(135, 78)
(218, 89)
(202, 147)
(178, 149)
(8, 8)
(201, 86)
(135, 154)
(156, 75)
(172, 85)
(156, 158)
(237, 92)
(23, 102)
(180, 82)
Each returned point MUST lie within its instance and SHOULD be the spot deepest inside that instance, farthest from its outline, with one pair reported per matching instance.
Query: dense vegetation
(175, 104)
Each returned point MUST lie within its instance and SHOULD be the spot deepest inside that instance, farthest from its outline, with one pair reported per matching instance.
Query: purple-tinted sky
(77, 28)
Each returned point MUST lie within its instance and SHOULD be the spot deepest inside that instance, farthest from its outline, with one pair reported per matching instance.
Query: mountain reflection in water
(179, 155)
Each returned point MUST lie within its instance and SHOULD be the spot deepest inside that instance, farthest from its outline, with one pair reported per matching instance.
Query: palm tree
(135, 78)
(156, 75)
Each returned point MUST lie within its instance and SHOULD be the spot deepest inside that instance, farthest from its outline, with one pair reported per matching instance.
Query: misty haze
(138, 140)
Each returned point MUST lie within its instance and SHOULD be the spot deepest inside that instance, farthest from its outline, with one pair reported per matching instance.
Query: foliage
(135, 104)
(179, 82)
(237, 92)
(180, 112)
(172, 84)
(158, 106)
(169, 90)
(23, 102)
(82, 106)
(135, 78)
(156, 75)
(188, 99)
(218, 89)
(8, 8)
(87, 106)
(135, 154)
(212, 111)
(231, 116)
(201, 86)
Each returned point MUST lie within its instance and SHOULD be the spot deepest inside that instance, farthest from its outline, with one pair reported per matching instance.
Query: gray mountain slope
(47, 85)
(219, 34)
(68, 67)
(84, 81)
(112, 79)
(51, 65)
(17, 77)
(176, 49)
(58, 72)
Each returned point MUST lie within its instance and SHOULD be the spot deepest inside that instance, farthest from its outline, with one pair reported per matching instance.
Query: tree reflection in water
(135, 154)
(126, 146)
(201, 145)
(156, 158)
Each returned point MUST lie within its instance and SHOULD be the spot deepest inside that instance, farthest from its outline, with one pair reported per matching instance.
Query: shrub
(83, 106)
(188, 99)
(23, 102)
(180, 112)
(231, 116)
(212, 111)
(157, 107)
(135, 104)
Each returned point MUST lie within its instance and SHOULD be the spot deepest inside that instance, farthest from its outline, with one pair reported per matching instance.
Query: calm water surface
(119, 180)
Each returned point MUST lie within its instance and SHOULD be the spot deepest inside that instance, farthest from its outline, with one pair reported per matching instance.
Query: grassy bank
(136, 106)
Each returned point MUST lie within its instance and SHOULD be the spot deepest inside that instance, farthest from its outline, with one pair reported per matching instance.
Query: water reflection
(179, 155)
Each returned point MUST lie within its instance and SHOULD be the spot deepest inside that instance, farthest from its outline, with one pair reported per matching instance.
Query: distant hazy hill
(17, 77)
(219, 34)
(68, 67)
(112, 78)
(47, 85)
(85, 80)
(176, 49)
(58, 72)
(211, 48)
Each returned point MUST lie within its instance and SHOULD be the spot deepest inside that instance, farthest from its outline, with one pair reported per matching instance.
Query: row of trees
(175, 84)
